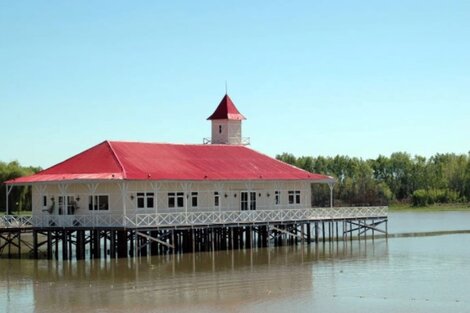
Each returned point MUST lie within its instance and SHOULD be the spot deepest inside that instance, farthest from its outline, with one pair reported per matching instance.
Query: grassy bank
(435, 207)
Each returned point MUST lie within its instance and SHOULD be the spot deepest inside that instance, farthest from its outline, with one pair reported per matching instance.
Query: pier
(140, 235)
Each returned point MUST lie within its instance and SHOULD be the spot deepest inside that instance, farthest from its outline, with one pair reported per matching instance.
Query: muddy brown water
(405, 274)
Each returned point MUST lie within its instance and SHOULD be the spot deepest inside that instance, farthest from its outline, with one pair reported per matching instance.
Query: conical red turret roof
(226, 111)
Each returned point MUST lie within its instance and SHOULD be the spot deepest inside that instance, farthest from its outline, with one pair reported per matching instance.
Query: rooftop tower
(227, 124)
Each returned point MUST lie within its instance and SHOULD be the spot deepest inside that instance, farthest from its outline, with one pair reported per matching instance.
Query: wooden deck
(65, 237)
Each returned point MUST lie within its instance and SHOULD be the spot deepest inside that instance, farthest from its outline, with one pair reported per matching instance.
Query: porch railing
(192, 218)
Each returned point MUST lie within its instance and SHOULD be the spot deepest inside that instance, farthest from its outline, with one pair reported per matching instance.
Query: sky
(357, 78)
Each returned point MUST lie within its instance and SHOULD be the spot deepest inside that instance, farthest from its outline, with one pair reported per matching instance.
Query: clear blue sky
(360, 78)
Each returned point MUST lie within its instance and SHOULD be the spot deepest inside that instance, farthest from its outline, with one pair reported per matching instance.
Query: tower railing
(244, 141)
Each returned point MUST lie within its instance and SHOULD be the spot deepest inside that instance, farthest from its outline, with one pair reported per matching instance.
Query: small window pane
(194, 199)
(297, 197)
(216, 199)
(180, 199)
(180, 202)
(103, 203)
(149, 202)
(291, 197)
(252, 200)
(171, 200)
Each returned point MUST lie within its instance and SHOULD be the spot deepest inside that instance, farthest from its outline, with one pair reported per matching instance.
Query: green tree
(20, 196)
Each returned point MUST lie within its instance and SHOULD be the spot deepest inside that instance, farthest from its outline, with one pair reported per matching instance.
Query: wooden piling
(122, 243)
(64, 245)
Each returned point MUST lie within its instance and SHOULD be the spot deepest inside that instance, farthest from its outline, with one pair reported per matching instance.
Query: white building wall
(123, 196)
(226, 132)
(80, 193)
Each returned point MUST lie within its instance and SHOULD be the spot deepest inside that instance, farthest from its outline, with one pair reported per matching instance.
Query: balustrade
(192, 218)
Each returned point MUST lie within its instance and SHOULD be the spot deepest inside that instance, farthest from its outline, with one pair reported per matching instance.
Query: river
(407, 274)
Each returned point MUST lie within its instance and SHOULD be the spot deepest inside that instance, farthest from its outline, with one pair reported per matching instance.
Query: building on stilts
(136, 198)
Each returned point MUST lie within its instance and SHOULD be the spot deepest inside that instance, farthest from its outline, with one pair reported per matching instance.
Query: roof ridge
(124, 174)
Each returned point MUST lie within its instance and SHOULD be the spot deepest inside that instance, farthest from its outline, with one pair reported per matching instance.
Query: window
(145, 200)
(220, 129)
(277, 197)
(252, 200)
(66, 208)
(180, 199)
(194, 199)
(140, 200)
(294, 197)
(98, 203)
(247, 200)
(244, 201)
(175, 199)
(44, 201)
(216, 199)
(171, 199)
(150, 200)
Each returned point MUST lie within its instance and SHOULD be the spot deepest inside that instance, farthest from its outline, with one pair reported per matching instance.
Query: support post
(35, 245)
(331, 185)
(7, 193)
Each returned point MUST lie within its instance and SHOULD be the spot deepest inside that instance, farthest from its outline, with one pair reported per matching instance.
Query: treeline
(442, 178)
(20, 197)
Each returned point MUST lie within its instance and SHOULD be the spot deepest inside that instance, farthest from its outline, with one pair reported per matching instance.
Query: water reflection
(179, 282)
(410, 274)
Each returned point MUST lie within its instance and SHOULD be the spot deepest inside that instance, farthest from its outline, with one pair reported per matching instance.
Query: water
(416, 274)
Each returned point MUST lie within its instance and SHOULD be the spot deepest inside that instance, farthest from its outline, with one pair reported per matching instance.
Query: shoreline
(430, 208)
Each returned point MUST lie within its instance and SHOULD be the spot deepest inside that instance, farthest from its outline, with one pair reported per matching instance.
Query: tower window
(220, 129)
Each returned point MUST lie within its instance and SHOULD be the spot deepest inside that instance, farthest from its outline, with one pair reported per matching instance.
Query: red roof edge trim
(124, 175)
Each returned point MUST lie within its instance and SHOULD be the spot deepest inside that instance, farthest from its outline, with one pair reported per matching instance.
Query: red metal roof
(226, 110)
(158, 161)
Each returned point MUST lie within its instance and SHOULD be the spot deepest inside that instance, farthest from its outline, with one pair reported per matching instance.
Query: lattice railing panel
(191, 218)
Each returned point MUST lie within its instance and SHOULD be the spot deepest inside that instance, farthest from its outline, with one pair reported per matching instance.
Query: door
(66, 207)
(247, 200)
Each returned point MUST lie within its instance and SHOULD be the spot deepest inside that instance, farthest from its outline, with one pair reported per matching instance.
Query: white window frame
(176, 196)
(94, 205)
(194, 197)
(294, 197)
(145, 196)
(71, 204)
(216, 199)
(251, 201)
(277, 198)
